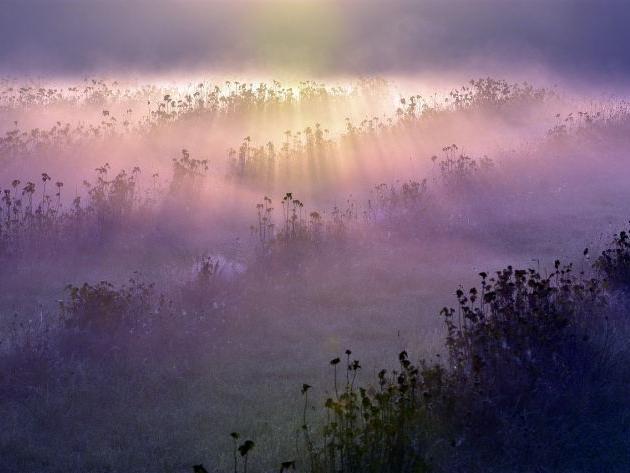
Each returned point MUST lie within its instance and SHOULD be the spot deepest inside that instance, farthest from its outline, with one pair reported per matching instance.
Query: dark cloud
(79, 36)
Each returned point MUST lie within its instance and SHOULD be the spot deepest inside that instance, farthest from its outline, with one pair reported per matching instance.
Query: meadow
(342, 275)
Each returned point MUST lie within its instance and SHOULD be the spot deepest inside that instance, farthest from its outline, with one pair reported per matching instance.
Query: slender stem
(235, 459)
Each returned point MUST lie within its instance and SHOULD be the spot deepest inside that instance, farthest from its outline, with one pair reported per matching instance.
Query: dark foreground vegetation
(534, 377)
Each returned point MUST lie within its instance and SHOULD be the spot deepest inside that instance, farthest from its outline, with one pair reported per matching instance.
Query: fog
(584, 39)
(248, 189)
(521, 186)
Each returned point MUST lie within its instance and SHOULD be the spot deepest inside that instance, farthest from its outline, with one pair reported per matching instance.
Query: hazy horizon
(584, 39)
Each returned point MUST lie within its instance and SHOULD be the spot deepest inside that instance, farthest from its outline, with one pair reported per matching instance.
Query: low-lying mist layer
(177, 260)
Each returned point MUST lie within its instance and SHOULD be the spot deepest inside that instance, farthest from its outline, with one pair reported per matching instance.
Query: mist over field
(219, 221)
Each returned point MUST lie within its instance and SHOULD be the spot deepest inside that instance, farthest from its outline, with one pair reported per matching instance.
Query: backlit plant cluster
(32, 219)
(314, 152)
(298, 232)
(141, 110)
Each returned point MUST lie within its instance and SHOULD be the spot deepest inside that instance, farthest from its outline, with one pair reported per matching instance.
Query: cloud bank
(583, 38)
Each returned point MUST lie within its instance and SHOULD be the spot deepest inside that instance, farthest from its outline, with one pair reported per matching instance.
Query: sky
(64, 37)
